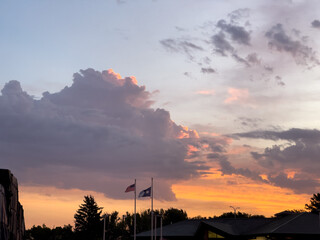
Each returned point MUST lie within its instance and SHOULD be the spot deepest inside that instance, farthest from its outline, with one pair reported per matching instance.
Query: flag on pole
(145, 193)
(131, 188)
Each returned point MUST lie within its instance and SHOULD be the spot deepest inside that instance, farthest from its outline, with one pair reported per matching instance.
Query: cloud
(238, 34)
(97, 134)
(238, 14)
(208, 70)
(283, 180)
(315, 24)
(293, 135)
(229, 35)
(222, 45)
(282, 42)
(228, 169)
(205, 92)
(249, 122)
(253, 59)
(181, 46)
(279, 81)
(237, 95)
(300, 152)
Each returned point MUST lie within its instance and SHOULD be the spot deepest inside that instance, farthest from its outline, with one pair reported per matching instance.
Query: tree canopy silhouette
(239, 215)
(88, 224)
(173, 215)
(314, 203)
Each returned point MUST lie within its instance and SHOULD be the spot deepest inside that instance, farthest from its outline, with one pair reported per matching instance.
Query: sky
(218, 101)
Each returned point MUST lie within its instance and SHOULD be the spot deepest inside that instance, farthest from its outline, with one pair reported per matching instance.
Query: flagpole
(135, 207)
(151, 208)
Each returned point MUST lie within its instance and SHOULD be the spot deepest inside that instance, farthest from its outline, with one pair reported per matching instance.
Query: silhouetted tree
(173, 215)
(63, 233)
(113, 230)
(144, 221)
(314, 203)
(198, 217)
(45, 233)
(88, 224)
(39, 233)
(287, 212)
(239, 215)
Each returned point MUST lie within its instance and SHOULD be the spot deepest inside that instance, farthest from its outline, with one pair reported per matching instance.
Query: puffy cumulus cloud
(279, 39)
(97, 134)
(299, 152)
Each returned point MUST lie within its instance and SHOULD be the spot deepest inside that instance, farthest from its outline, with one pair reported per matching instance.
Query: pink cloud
(205, 92)
(237, 95)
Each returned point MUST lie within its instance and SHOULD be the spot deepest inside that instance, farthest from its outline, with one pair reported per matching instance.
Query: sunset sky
(217, 100)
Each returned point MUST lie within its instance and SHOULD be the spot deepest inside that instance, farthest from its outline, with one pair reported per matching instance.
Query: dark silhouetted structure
(304, 226)
(11, 212)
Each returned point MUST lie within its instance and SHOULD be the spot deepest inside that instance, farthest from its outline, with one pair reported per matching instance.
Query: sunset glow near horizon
(218, 101)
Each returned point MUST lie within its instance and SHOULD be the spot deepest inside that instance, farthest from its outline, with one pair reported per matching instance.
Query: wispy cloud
(237, 95)
(282, 42)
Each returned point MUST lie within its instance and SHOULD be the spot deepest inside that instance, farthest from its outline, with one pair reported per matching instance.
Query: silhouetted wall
(12, 225)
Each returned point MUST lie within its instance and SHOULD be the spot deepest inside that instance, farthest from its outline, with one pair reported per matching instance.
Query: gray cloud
(227, 168)
(301, 153)
(253, 59)
(100, 130)
(297, 184)
(181, 46)
(282, 42)
(279, 81)
(238, 34)
(228, 35)
(222, 46)
(238, 14)
(207, 70)
(293, 134)
(315, 24)
(249, 122)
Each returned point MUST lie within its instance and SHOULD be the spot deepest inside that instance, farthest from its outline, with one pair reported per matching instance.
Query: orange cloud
(187, 133)
(205, 92)
(291, 173)
(238, 150)
(134, 80)
(237, 95)
(212, 134)
(191, 150)
(118, 79)
(114, 74)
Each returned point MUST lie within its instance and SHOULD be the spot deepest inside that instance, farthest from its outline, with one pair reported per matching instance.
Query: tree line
(89, 222)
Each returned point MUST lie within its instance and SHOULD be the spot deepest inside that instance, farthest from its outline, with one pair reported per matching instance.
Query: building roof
(237, 226)
(187, 228)
(298, 223)
(294, 224)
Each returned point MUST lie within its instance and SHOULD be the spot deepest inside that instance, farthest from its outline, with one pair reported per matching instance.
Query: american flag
(131, 188)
